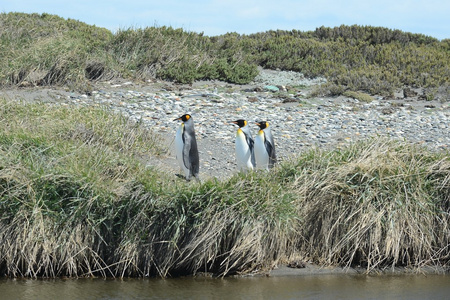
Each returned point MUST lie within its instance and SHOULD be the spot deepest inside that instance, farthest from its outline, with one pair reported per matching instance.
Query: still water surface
(288, 287)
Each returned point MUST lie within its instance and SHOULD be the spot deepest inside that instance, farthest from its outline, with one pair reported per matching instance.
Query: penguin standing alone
(186, 147)
(245, 155)
(264, 147)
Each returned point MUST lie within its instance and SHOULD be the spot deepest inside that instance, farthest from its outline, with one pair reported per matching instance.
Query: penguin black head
(263, 124)
(240, 123)
(184, 118)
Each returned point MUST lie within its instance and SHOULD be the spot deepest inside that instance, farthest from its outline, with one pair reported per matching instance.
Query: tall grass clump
(374, 204)
(61, 171)
(228, 227)
(49, 50)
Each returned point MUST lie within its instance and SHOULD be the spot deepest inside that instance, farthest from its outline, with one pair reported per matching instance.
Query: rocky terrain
(298, 122)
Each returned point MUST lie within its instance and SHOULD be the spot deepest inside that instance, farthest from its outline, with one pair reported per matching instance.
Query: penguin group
(251, 154)
(256, 153)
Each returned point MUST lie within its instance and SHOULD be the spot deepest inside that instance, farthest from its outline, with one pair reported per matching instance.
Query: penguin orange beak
(234, 122)
(257, 123)
(178, 119)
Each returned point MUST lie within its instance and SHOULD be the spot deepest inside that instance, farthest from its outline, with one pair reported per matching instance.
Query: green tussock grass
(43, 49)
(375, 204)
(78, 198)
(358, 95)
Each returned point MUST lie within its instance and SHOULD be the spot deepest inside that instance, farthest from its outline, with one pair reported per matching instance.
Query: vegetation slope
(47, 50)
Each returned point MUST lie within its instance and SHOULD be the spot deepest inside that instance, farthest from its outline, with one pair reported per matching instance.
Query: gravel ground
(298, 122)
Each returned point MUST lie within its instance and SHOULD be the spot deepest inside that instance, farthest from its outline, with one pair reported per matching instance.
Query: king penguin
(186, 147)
(245, 155)
(264, 147)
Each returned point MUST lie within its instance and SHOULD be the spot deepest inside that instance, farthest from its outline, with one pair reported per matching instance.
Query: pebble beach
(298, 122)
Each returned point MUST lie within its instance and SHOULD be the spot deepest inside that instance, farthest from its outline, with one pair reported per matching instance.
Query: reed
(77, 198)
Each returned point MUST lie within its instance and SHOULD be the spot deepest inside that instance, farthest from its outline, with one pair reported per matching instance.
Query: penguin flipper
(251, 146)
(190, 155)
(193, 154)
(270, 147)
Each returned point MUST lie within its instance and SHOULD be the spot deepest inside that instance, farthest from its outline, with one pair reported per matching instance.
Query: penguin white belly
(179, 145)
(261, 155)
(243, 154)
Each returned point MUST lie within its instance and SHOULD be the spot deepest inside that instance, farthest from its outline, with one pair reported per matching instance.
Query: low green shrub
(358, 95)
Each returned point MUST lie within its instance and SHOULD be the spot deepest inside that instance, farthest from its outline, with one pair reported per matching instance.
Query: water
(288, 287)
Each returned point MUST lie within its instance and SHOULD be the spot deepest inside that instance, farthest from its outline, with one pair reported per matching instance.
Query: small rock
(271, 88)
(296, 264)
(409, 93)
(252, 99)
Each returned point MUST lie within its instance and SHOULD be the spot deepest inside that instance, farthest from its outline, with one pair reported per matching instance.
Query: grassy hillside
(48, 50)
(77, 199)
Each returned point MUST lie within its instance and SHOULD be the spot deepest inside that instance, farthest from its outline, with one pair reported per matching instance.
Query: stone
(271, 88)
(409, 93)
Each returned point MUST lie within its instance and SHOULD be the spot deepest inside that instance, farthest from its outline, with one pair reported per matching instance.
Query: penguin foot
(181, 176)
